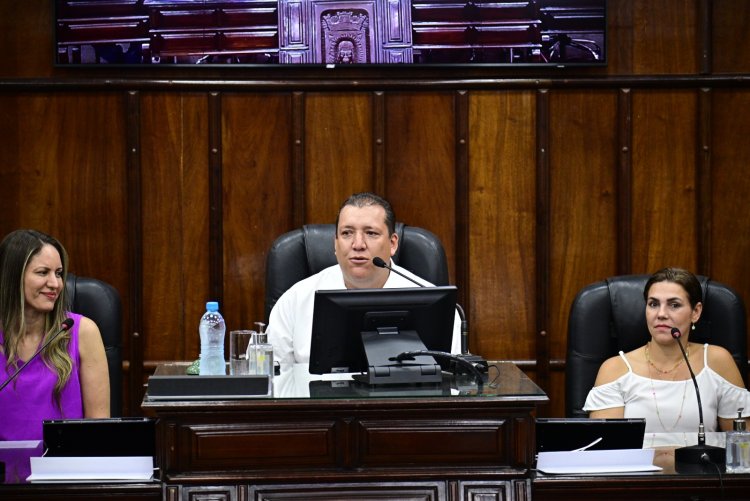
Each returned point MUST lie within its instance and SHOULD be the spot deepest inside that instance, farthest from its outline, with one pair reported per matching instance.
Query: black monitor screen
(341, 316)
(330, 33)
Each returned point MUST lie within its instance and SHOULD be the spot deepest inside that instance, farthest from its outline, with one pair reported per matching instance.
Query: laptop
(99, 437)
(569, 434)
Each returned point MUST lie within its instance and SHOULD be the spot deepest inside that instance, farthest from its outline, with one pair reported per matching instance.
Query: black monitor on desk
(362, 330)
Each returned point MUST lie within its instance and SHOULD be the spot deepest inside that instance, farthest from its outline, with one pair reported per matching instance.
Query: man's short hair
(366, 199)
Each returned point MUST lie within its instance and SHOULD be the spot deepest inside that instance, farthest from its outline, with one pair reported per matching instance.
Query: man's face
(362, 235)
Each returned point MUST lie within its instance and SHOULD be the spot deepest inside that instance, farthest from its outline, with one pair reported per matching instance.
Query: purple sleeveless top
(28, 400)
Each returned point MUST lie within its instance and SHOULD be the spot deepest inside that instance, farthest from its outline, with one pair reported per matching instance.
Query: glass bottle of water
(260, 353)
(738, 447)
(212, 329)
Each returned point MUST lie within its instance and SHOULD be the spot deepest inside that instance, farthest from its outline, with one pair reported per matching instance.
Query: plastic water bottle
(212, 329)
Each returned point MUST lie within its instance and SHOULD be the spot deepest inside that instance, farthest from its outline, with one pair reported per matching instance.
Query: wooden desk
(13, 485)
(146, 491)
(643, 487)
(327, 441)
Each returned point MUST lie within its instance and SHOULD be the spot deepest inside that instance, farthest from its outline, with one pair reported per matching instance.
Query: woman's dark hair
(687, 280)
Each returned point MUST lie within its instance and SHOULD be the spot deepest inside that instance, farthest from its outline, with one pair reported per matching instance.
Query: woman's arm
(94, 372)
(722, 362)
(610, 370)
(614, 412)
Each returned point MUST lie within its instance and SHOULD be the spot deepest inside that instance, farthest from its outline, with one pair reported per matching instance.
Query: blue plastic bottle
(212, 329)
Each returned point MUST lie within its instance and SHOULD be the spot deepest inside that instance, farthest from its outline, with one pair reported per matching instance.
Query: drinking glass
(239, 340)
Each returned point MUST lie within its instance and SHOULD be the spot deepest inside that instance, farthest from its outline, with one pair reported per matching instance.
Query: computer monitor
(363, 330)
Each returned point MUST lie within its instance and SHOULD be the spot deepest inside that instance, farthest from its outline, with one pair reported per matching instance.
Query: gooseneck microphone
(699, 458)
(66, 325)
(475, 361)
(382, 264)
(464, 324)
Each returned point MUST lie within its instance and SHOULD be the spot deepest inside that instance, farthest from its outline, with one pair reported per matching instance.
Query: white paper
(91, 468)
(606, 461)
(19, 444)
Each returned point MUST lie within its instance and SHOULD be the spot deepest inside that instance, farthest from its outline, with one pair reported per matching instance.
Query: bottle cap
(261, 337)
(739, 423)
(212, 306)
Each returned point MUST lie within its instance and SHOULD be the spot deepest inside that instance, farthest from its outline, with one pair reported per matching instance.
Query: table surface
(294, 382)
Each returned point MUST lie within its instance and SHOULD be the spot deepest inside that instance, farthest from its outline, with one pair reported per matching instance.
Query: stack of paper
(121, 468)
(605, 461)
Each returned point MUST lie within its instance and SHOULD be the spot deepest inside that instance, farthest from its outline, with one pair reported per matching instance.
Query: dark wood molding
(462, 199)
(543, 237)
(134, 246)
(215, 199)
(624, 181)
(703, 176)
(559, 81)
(298, 159)
(379, 137)
(705, 36)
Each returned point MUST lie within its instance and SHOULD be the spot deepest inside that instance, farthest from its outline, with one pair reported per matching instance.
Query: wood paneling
(731, 26)
(174, 142)
(665, 35)
(419, 165)
(257, 130)
(730, 185)
(502, 214)
(26, 37)
(338, 151)
(63, 172)
(664, 180)
(583, 154)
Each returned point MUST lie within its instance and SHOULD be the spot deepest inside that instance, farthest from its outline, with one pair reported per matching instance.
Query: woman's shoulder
(87, 328)
(612, 369)
(722, 362)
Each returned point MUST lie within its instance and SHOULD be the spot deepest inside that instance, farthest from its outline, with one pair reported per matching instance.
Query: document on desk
(19, 444)
(596, 461)
(66, 469)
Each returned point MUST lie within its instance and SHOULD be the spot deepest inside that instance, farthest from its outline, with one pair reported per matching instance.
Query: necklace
(656, 403)
(661, 371)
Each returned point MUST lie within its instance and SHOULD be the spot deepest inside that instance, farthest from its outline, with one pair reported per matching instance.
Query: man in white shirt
(365, 228)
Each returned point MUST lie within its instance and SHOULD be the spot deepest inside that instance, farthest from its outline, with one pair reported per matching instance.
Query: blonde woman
(69, 378)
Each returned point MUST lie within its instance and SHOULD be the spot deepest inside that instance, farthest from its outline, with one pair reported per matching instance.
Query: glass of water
(239, 364)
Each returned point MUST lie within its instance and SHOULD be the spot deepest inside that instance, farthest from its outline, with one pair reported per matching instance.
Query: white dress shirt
(290, 323)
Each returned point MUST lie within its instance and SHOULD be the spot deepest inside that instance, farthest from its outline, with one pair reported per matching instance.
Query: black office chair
(609, 316)
(305, 251)
(100, 302)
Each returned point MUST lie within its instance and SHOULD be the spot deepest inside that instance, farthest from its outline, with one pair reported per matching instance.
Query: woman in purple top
(69, 379)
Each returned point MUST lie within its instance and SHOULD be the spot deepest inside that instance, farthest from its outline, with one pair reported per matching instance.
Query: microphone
(699, 458)
(66, 325)
(382, 264)
(472, 359)
(464, 324)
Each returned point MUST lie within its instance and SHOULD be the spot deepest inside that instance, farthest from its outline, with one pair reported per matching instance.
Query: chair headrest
(628, 307)
(318, 245)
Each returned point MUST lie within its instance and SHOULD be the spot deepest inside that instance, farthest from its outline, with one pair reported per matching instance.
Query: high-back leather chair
(610, 316)
(305, 251)
(100, 302)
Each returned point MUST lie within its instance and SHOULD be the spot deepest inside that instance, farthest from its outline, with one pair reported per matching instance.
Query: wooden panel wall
(171, 183)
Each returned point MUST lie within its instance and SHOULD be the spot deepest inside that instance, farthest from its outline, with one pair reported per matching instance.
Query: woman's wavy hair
(16, 251)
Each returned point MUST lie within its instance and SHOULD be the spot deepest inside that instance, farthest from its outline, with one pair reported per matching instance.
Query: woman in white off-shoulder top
(653, 381)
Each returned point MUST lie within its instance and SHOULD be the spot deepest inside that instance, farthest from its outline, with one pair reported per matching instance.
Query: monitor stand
(381, 348)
